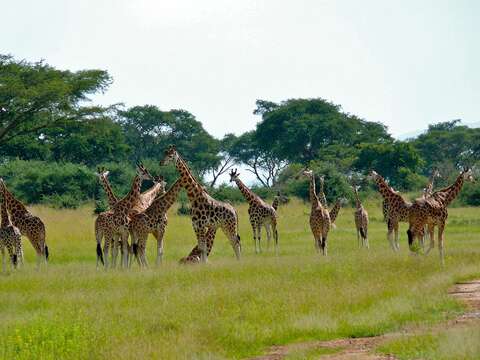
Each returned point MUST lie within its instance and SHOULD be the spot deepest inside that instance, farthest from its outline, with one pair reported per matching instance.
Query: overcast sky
(404, 63)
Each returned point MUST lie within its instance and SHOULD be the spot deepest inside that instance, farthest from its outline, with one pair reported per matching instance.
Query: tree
(298, 130)
(264, 164)
(35, 96)
(227, 160)
(149, 131)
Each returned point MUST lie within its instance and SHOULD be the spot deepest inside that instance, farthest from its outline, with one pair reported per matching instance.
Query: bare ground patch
(363, 348)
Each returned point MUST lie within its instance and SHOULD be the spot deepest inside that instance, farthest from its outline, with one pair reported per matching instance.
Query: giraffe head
(234, 174)
(436, 173)
(467, 174)
(102, 172)
(373, 175)
(171, 155)
(322, 179)
(160, 180)
(308, 173)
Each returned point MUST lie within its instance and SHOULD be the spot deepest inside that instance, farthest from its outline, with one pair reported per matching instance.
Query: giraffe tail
(46, 252)
(100, 253)
(410, 238)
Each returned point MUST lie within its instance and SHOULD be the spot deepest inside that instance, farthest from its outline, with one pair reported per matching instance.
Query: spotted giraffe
(117, 219)
(278, 199)
(10, 238)
(319, 216)
(321, 193)
(153, 221)
(427, 192)
(398, 208)
(29, 225)
(207, 213)
(433, 211)
(260, 214)
(102, 222)
(361, 220)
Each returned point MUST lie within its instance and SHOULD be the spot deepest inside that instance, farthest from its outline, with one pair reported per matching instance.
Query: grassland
(230, 309)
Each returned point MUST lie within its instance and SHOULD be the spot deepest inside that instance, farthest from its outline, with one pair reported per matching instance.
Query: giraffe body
(153, 221)
(432, 211)
(398, 208)
(361, 221)
(260, 213)
(207, 213)
(10, 239)
(105, 228)
(319, 217)
(28, 224)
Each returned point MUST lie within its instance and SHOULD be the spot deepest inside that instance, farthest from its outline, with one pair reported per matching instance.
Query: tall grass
(228, 308)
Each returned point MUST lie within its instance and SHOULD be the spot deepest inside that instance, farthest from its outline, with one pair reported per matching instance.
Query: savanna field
(237, 309)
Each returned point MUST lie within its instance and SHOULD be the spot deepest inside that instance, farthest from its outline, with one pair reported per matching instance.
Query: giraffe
(10, 238)
(321, 193)
(361, 221)
(432, 211)
(277, 199)
(428, 191)
(319, 216)
(101, 222)
(398, 208)
(207, 213)
(260, 214)
(29, 225)
(153, 221)
(115, 221)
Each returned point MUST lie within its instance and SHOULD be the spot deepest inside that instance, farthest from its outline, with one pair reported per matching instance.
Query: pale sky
(406, 63)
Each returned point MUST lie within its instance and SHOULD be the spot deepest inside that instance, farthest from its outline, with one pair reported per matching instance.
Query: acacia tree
(226, 158)
(264, 164)
(35, 96)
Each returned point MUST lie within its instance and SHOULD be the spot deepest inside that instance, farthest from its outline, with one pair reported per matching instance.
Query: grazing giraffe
(319, 216)
(101, 222)
(10, 238)
(115, 221)
(398, 208)
(153, 221)
(361, 221)
(433, 211)
(207, 213)
(29, 225)
(260, 214)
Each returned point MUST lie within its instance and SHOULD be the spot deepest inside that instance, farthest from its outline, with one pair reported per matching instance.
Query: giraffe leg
(269, 235)
(159, 236)
(4, 265)
(324, 241)
(275, 236)
(365, 230)
(124, 237)
(259, 237)
(231, 232)
(390, 235)
(397, 243)
(431, 229)
(136, 246)
(254, 230)
(106, 248)
(142, 249)
(201, 242)
(441, 249)
(358, 238)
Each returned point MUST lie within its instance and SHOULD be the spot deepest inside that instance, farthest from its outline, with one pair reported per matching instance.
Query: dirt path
(362, 348)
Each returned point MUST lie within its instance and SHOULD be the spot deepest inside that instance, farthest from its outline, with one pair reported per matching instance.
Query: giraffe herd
(139, 214)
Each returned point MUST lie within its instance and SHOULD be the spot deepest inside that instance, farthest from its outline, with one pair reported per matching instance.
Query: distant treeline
(52, 139)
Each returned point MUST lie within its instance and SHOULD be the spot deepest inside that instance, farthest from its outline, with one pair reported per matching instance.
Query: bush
(470, 194)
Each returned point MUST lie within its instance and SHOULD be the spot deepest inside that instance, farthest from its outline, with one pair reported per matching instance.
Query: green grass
(227, 309)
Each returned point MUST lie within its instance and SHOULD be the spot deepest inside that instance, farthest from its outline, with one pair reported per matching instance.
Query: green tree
(35, 96)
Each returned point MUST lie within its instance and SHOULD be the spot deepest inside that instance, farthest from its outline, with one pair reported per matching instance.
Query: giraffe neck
(452, 191)
(358, 203)
(313, 195)
(246, 192)
(112, 198)
(14, 206)
(125, 205)
(162, 203)
(335, 210)
(321, 195)
(191, 185)
(384, 189)
(5, 219)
